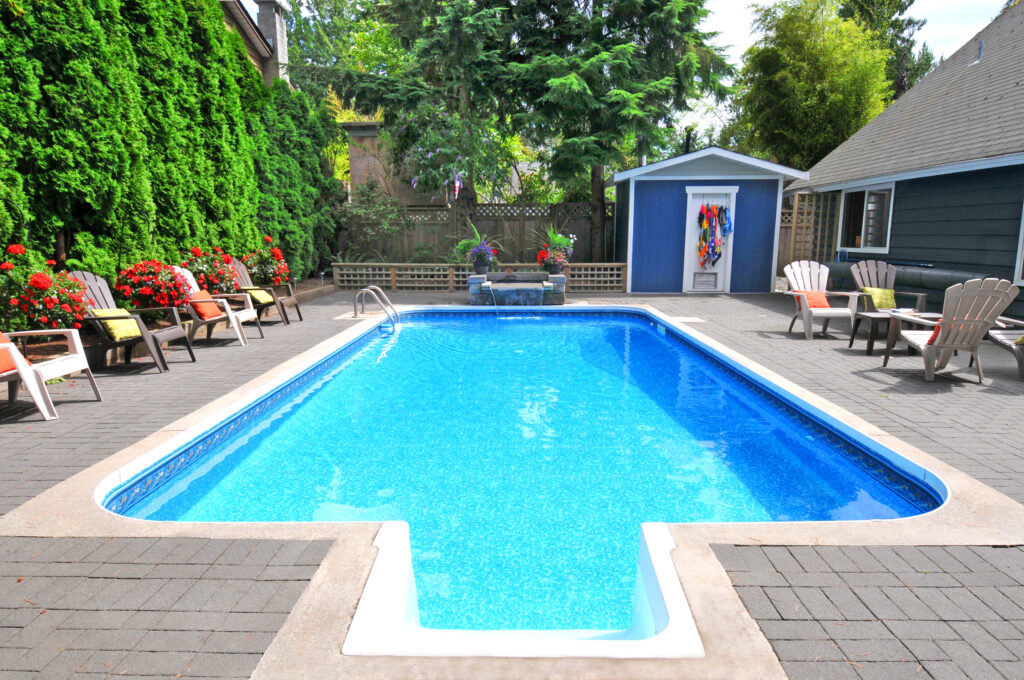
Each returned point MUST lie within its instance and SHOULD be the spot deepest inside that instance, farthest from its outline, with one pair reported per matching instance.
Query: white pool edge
(386, 621)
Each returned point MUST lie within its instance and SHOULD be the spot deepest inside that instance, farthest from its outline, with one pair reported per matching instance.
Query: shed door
(707, 273)
(658, 230)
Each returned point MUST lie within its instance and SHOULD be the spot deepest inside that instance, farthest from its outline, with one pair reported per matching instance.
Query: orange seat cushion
(206, 310)
(6, 360)
(816, 299)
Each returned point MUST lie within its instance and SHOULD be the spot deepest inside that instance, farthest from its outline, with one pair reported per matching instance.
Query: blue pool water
(525, 452)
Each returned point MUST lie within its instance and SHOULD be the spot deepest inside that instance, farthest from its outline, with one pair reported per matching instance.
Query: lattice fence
(581, 278)
(519, 228)
(807, 228)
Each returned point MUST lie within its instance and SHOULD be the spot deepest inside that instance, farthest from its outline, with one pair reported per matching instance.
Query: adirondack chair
(127, 329)
(234, 317)
(879, 274)
(969, 311)
(811, 277)
(266, 296)
(14, 368)
(1008, 335)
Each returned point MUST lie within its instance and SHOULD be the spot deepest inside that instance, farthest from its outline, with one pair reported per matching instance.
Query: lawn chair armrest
(1001, 321)
(172, 310)
(245, 298)
(71, 334)
(921, 299)
(915, 319)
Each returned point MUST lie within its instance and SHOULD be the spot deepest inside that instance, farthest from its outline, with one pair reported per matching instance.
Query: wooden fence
(808, 228)
(580, 278)
(518, 228)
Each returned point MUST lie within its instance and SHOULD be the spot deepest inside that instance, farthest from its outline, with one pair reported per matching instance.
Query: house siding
(967, 221)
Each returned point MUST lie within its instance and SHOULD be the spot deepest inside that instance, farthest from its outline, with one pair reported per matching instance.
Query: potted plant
(213, 270)
(556, 251)
(477, 250)
(267, 267)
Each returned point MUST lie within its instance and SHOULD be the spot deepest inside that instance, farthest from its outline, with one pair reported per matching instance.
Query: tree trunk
(597, 213)
(61, 246)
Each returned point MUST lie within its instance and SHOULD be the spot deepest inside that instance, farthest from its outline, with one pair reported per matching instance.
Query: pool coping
(974, 515)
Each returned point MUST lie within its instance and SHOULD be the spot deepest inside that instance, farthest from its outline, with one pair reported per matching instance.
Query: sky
(950, 23)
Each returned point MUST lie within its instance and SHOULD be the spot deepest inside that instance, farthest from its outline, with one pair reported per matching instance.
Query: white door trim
(731, 192)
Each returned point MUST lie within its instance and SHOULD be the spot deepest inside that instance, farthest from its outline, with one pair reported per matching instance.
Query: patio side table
(875, 318)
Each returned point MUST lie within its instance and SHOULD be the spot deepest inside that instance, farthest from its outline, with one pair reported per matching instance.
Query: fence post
(451, 279)
(394, 279)
(625, 279)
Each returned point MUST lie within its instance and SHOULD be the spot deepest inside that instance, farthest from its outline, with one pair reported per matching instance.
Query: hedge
(134, 129)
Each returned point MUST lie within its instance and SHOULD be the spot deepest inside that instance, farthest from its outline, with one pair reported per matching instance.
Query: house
(658, 211)
(266, 38)
(937, 178)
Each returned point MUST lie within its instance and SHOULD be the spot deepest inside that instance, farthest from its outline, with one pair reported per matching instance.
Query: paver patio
(189, 607)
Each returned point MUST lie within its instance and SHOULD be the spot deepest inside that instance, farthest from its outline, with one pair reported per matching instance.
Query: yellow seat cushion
(260, 296)
(883, 298)
(118, 330)
(1020, 340)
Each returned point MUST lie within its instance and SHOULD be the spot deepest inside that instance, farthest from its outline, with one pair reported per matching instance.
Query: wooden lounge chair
(14, 368)
(1007, 334)
(808, 281)
(210, 312)
(267, 296)
(969, 311)
(120, 328)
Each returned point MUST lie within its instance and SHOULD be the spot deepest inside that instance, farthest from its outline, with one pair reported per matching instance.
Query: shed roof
(666, 167)
(964, 115)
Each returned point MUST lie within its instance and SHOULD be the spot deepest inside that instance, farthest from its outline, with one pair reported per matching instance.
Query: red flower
(276, 252)
(77, 325)
(217, 250)
(43, 319)
(227, 259)
(277, 280)
(6, 265)
(51, 263)
(268, 239)
(196, 251)
(40, 280)
(16, 249)
(14, 301)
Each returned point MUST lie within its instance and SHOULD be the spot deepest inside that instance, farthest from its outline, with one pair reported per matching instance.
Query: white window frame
(891, 187)
(1018, 268)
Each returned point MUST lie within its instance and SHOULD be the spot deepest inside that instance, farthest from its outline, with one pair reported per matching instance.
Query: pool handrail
(382, 300)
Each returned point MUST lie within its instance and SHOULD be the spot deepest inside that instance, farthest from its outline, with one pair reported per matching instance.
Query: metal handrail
(382, 300)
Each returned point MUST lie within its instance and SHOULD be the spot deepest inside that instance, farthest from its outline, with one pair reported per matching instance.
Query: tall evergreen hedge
(134, 129)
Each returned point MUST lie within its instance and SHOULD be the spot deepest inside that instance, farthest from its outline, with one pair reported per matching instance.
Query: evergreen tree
(19, 97)
(594, 75)
(297, 186)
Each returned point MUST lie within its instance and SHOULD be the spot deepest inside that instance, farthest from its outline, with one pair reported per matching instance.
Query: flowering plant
(476, 249)
(213, 270)
(267, 267)
(152, 284)
(53, 301)
(557, 250)
(32, 297)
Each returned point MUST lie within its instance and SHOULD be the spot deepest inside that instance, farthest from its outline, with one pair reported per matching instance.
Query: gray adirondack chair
(969, 311)
(234, 317)
(879, 274)
(805, 275)
(281, 302)
(103, 298)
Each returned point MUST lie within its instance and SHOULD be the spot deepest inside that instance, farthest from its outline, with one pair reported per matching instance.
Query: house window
(866, 214)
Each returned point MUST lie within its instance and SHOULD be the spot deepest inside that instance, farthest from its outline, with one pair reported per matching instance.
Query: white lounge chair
(1007, 335)
(969, 311)
(34, 375)
(805, 277)
(234, 317)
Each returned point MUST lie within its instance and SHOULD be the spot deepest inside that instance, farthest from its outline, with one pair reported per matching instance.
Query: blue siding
(659, 234)
(659, 229)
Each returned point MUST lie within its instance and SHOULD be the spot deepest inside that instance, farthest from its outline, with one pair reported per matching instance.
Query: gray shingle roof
(964, 110)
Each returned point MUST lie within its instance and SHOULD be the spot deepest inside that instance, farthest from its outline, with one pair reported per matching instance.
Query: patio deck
(186, 606)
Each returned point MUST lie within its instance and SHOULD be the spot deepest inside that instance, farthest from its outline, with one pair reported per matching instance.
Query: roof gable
(711, 161)
(966, 109)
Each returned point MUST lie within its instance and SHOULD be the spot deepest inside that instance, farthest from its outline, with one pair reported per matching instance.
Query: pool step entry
(519, 289)
(382, 299)
(387, 622)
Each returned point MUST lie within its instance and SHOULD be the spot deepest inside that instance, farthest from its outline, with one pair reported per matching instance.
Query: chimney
(270, 20)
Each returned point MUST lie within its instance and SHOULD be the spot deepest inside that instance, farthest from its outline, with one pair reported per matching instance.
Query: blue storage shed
(671, 229)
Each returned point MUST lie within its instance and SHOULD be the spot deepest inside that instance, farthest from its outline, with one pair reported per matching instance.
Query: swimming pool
(524, 451)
